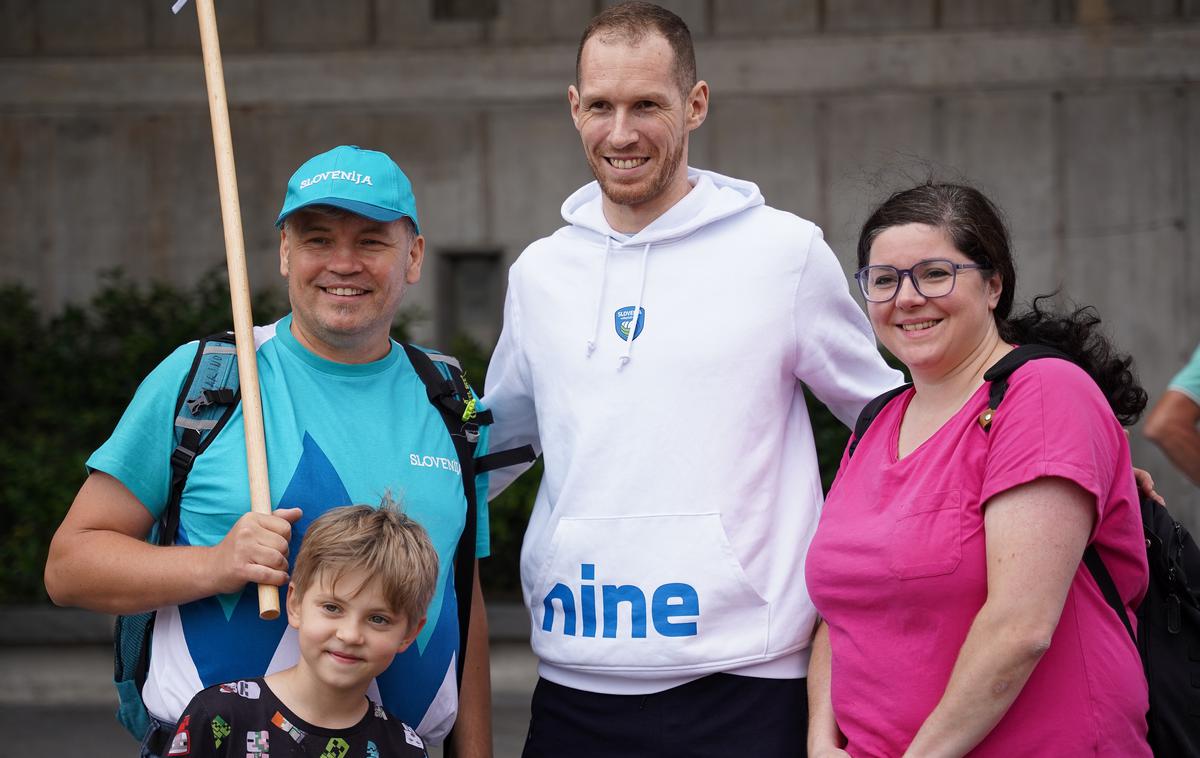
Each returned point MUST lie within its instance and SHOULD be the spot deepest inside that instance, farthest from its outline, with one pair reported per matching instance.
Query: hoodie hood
(713, 197)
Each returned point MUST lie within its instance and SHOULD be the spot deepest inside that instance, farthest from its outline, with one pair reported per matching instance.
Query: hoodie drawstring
(591, 343)
(637, 310)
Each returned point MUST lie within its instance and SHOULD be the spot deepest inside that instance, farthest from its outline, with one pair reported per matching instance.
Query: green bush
(67, 379)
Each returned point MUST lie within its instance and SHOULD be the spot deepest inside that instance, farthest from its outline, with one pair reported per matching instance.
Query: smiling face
(346, 277)
(348, 633)
(932, 336)
(634, 123)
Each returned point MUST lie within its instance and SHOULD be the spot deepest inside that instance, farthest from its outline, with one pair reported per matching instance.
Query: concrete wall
(1079, 117)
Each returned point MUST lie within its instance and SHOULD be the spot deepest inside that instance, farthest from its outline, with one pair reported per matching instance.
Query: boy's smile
(347, 632)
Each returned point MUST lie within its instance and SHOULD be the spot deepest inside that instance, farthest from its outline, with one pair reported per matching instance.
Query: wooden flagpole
(239, 285)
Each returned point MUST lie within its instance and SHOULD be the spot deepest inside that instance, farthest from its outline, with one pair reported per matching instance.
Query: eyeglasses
(931, 278)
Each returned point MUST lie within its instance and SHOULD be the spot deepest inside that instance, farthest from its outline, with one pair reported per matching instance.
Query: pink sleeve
(1054, 421)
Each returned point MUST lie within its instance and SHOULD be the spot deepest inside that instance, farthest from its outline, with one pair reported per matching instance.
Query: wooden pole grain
(239, 284)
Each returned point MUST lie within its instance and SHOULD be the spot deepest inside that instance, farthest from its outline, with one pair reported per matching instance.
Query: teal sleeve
(1187, 380)
(138, 453)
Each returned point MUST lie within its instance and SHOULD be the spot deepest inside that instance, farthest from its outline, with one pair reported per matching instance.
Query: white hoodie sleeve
(508, 394)
(836, 356)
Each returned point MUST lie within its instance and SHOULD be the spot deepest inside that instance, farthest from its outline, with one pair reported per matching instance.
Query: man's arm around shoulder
(836, 354)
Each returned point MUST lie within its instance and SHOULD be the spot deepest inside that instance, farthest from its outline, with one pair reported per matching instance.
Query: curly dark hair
(1078, 334)
(975, 225)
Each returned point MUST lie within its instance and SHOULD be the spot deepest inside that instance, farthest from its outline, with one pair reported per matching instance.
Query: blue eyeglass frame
(860, 275)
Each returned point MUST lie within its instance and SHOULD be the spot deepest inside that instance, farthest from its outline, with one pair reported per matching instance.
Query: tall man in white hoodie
(654, 351)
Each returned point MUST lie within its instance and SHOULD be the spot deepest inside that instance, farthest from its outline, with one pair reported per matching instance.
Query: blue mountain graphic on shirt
(228, 641)
(409, 703)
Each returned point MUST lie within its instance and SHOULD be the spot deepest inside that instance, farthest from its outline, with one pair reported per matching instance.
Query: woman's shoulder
(1052, 374)
(1060, 387)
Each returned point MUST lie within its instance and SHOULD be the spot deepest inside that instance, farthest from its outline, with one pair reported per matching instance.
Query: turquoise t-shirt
(1187, 380)
(337, 434)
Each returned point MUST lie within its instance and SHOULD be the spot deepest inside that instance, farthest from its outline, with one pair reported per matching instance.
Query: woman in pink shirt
(958, 617)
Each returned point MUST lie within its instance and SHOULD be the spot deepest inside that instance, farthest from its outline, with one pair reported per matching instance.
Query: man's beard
(643, 192)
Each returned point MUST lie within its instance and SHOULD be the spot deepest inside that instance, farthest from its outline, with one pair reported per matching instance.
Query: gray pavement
(57, 698)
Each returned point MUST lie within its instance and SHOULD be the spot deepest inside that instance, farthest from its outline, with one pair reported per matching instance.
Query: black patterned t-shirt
(246, 719)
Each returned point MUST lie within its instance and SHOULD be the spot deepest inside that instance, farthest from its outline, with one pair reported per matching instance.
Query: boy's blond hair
(384, 542)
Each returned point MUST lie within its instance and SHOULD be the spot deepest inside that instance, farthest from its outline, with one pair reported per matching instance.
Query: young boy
(358, 596)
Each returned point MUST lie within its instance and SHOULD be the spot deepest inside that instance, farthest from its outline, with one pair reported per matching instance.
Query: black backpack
(204, 406)
(1169, 616)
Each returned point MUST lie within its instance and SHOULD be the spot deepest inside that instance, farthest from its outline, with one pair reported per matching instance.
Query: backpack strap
(469, 410)
(447, 392)
(869, 412)
(505, 458)
(1104, 580)
(998, 376)
(206, 402)
(447, 388)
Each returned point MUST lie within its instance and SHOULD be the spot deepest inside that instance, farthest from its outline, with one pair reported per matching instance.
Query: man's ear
(283, 252)
(412, 634)
(573, 99)
(416, 256)
(697, 105)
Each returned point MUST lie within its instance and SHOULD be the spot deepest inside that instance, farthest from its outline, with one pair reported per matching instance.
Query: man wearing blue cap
(347, 420)
(343, 305)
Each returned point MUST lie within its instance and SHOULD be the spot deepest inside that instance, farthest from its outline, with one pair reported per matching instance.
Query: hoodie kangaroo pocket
(647, 594)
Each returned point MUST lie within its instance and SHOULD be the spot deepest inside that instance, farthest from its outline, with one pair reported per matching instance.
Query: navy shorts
(717, 715)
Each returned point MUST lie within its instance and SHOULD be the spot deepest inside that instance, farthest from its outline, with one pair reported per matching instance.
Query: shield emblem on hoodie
(625, 321)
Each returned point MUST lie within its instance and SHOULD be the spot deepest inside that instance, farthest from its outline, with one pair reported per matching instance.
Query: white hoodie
(681, 488)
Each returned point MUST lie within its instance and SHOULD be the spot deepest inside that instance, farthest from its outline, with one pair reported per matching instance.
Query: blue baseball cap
(365, 182)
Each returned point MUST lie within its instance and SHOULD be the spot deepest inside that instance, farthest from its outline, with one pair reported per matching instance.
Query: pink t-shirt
(898, 570)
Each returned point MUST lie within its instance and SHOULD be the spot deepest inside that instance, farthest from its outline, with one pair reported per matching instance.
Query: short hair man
(1174, 421)
(654, 349)
(334, 387)
(360, 588)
